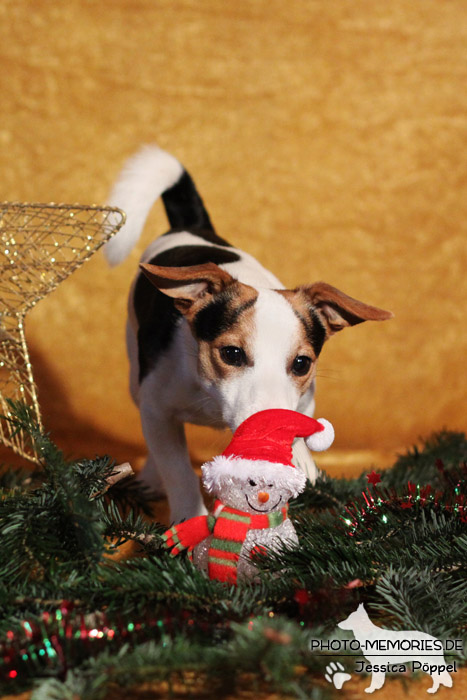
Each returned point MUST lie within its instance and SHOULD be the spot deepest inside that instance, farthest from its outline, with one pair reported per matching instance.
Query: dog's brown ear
(337, 310)
(187, 285)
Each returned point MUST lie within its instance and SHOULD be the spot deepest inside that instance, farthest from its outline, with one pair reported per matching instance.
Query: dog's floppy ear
(337, 310)
(187, 285)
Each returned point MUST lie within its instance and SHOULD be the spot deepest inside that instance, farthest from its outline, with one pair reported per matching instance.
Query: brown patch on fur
(338, 310)
(301, 308)
(189, 286)
(311, 329)
(323, 310)
(302, 383)
(239, 335)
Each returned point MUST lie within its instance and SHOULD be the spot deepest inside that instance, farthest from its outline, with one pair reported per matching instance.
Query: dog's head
(258, 348)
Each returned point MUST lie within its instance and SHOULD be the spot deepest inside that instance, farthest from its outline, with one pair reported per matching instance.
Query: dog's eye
(232, 355)
(252, 483)
(301, 365)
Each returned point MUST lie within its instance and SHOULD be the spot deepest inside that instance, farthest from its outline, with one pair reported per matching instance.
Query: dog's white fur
(175, 392)
(143, 179)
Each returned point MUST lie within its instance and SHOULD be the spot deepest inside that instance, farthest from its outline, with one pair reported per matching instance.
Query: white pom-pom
(323, 439)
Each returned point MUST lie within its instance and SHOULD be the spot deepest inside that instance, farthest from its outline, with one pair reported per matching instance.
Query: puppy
(212, 335)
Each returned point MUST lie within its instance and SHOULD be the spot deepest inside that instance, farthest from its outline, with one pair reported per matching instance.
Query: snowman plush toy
(253, 481)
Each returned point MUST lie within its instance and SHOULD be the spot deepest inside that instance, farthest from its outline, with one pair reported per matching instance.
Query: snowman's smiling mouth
(258, 510)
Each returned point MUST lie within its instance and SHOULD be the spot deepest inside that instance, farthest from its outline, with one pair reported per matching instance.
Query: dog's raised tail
(146, 176)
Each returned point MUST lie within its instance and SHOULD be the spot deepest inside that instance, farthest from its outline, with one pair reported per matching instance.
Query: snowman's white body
(252, 494)
(271, 538)
(253, 476)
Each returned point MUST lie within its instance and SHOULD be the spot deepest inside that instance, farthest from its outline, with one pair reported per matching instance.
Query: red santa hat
(261, 448)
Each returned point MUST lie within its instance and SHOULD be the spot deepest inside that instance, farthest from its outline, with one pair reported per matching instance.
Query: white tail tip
(144, 177)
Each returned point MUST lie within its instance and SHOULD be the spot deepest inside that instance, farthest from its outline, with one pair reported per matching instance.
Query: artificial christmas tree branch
(397, 545)
(119, 472)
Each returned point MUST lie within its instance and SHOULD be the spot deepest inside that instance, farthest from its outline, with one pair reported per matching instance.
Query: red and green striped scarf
(229, 528)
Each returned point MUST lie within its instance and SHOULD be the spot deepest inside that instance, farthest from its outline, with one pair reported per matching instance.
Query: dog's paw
(335, 674)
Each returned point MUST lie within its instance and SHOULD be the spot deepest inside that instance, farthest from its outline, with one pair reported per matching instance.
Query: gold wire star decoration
(40, 246)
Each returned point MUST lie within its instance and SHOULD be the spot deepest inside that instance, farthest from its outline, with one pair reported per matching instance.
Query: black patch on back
(186, 211)
(157, 316)
(157, 320)
(183, 255)
(218, 316)
(205, 234)
(314, 329)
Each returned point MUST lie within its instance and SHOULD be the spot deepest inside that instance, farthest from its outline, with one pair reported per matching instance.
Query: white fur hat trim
(218, 471)
(323, 439)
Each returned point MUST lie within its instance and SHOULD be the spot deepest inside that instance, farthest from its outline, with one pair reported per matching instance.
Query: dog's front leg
(304, 461)
(165, 439)
(302, 457)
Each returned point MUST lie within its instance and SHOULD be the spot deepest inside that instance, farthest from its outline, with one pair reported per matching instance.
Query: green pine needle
(399, 547)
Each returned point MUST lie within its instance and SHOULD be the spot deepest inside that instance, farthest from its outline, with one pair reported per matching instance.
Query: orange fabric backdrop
(327, 138)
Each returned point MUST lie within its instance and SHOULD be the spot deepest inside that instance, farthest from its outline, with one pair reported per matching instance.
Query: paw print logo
(335, 674)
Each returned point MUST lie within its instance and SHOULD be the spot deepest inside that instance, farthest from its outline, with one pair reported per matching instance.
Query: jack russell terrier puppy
(212, 336)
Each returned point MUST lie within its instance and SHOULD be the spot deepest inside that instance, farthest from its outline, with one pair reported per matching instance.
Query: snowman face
(254, 495)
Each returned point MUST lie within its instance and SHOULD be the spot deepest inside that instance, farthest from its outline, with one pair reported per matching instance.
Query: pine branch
(257, 658)
(399, 546)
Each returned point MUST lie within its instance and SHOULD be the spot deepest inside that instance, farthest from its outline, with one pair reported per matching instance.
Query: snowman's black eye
(270, 486)
(252, 483)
